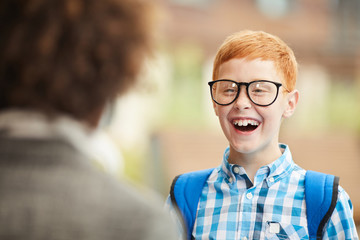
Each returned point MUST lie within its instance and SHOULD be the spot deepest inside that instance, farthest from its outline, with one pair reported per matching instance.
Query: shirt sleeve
(341, 224)
(176, 216)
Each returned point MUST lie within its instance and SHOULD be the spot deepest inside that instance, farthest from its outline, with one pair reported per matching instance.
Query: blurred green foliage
(343, 106)
(184, 106)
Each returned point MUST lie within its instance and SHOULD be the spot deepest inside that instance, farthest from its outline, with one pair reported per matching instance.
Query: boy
(258, 192)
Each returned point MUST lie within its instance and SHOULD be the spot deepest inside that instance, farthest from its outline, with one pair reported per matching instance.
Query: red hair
(257, 44)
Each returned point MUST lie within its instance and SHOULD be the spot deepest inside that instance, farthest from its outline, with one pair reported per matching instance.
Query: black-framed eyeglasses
(261, 92)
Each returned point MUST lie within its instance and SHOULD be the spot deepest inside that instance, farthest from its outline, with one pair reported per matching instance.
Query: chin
(244, 148)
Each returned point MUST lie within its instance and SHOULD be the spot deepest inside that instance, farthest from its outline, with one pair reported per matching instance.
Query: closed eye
(258, 90)
(229, 90)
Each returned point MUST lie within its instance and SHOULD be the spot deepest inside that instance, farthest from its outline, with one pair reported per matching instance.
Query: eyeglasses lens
(262, 93)
(224, 92)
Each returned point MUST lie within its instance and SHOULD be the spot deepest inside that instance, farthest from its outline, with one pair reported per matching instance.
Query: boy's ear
(292, 100)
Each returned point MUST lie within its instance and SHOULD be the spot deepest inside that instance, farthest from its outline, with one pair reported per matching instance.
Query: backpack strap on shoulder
(321, 193)
(185, 194)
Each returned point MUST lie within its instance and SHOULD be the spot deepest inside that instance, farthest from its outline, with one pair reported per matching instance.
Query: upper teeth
(246, 122)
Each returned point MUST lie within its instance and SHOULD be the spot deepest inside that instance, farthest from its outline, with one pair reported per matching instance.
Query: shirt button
(236, 170)
(271, 179)
(249, 195)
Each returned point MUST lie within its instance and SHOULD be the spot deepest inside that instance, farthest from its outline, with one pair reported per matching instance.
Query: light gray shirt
(50, 190)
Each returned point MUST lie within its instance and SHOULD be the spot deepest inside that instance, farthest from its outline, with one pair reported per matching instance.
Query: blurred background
(166, 125)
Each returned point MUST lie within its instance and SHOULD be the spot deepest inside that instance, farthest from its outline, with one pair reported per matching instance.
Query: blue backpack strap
(185, 194)
(321, 193)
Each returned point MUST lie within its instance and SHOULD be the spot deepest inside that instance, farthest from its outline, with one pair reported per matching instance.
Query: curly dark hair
(70, 56)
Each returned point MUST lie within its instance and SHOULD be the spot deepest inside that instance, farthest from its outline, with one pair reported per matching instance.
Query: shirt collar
(271, 172)
(226, 167)
(35, 125)
(283, 165)
(93, 143)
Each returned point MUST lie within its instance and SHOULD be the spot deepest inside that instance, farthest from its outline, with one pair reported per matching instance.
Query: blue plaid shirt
(273, 207)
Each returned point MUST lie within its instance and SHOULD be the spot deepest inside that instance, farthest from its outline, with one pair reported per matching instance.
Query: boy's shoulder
(298, 171)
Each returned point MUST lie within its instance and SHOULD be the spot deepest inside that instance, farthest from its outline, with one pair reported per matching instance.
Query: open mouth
(246, 125)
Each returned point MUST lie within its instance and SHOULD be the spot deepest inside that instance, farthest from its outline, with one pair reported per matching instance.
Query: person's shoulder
(344, 196)
(125, 210)
(116, 206)
(298, 172)
(144, 212)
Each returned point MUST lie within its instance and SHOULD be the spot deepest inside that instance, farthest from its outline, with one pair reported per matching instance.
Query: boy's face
(262, 139)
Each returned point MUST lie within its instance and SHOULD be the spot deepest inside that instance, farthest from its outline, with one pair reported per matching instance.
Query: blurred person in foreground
(61, 62)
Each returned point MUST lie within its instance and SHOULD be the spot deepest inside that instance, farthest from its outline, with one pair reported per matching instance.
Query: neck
(251, 162)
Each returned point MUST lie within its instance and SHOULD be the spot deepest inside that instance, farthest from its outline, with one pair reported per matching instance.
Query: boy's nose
(243, 101)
